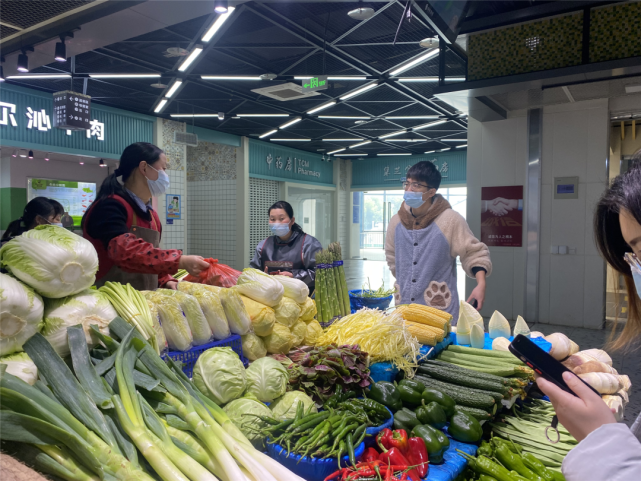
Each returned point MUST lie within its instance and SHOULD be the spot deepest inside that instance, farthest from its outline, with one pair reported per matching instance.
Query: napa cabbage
(20, 314)
(20, 365)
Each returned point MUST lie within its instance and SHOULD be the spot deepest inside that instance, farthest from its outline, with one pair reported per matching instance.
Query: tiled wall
(343, 207)
(262, 195)
(211, 181)
(174, 236)
(614, 32)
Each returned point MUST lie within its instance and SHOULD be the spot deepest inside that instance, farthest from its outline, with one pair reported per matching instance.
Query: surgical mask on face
(281, 230)
(635, 267)
(58, 224)
(159, 186)
(414, 199)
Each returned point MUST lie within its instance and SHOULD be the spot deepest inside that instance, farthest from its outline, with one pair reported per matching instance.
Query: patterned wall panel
(547, 44)
(262, 195)
(211, 162)
(614, 32)
(343, 207)
(176, 153)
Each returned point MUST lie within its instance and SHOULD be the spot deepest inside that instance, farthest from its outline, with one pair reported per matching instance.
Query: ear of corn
(426, 315)
(422, 333)
(440, 333)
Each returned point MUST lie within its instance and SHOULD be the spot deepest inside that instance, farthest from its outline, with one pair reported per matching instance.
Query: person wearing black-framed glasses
(423, 241)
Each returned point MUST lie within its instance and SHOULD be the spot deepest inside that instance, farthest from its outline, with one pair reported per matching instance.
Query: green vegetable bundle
(332, 297)
(94, 422)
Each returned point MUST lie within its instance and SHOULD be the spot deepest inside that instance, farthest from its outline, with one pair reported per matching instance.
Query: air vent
(186, 139)
(284, 92)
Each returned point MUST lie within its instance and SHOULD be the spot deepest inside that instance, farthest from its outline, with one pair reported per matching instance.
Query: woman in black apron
(126, 230)
(289, 252)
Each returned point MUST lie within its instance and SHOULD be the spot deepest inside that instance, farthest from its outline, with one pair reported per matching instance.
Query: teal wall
(259, 152)
(387, 172)
(121, 127)
(214, 136)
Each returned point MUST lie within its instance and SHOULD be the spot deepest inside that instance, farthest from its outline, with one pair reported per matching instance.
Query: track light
(102, 163)
(23, 153)
(2, 79)
(82, 162)
(15, 153)
(31, 154)
(221, 115)
(47, 156)
(61, 52)
(23, 63)
(221, 6)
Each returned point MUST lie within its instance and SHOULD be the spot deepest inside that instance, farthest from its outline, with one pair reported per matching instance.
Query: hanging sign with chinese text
(502, 216)
(315, 83)
(71, 111)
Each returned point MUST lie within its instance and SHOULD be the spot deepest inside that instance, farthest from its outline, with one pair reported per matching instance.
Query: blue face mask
(413, 199)
(159, 186)
(281, 230)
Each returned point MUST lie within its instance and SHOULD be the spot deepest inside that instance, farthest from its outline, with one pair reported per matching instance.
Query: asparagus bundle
(335, 248)
(332, 298)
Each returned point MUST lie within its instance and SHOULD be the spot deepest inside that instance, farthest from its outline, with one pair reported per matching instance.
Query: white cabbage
(294, 288)
(198, 324)
(86, 308)
(209, 300)
(173, 322)
(21, 365)
(267, 379)
(20, 314)
(260, 287)
(55, 262)
(220, 375)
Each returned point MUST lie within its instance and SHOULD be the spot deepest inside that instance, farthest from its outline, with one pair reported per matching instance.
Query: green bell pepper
(446, 402)
(431, 414)
(405, 420)
(465, 428)
(433, 444)
(416, 385)
(386, 393)
(409, 396)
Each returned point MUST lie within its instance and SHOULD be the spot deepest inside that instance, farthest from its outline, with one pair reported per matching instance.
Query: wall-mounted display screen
(75, 197)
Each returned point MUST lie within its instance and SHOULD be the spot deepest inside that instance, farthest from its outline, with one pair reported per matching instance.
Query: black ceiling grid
(287, 39)
(27, 13)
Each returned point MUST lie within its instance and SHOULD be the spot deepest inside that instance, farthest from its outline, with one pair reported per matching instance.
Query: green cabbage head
(20, 314)
(55, 262)
(220, 375)
(267, 379)
(285, 406)
(243, 412)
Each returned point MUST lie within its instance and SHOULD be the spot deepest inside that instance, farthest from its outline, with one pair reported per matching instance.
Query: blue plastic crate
(189, 358)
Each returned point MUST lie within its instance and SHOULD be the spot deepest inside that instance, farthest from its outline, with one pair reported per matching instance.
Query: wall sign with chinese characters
(389, 172)
(28, 119)
(502, 216)
(285, 164)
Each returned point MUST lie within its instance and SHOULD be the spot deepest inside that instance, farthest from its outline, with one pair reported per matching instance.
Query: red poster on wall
(502, 216)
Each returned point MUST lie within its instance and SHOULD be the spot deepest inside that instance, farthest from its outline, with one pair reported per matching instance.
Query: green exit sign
(315, 83)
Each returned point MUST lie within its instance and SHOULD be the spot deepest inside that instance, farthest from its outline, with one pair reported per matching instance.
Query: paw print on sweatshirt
(438, 295)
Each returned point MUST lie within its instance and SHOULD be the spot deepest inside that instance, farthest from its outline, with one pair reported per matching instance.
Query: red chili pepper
(369, 455)
(399, 440)
(334, 474)
(404, 477)
(417, 456)
(394, 456)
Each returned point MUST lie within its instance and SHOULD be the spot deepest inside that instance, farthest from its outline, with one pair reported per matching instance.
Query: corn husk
(616, 405)
(209, 300)
(287, 312)
(262, 317)
(235, 311)
(308, 310)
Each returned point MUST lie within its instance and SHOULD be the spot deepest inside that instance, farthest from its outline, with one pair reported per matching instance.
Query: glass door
(313, 211)
(378, 208)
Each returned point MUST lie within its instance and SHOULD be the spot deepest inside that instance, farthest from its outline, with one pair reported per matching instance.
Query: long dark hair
(623, 193)
(58, 209)
(287, 207)
(130, 159)
(38, 206)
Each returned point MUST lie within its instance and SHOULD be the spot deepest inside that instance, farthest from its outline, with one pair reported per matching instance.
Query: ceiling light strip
(217, 24)
(430, 79)
(360, 144)
(393, 134)
(460, 146)
(332, 78)
(161, 105)
(290, 140)
(403, 153)
(124, 75)
(267, 134)
(290, 123)
(359, 91)
(190, 58)
(432, 53)
(230, 77)
(335, 151)
(192, 115)
(410, 117)
(38, 76)
(352, 155)
(173, 88)
(343, 140)
(322, 107)
(262, 115)
(429, 124)
(347, 117)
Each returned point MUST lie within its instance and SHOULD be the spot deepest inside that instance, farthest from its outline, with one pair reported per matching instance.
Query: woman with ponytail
(39, 211)
(126, 230)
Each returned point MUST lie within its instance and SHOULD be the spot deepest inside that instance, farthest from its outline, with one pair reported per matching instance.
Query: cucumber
(498, 397)
(479, 414)
(492, 361)
(510, 382)
(506, 370)
(462, 378)
(481, 352)
(475, 400)
(512, 359)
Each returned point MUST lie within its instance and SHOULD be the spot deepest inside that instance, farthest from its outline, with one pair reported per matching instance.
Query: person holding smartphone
(607, 450)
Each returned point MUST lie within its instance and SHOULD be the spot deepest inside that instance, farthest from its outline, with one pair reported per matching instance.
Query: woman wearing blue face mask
(289, 252)
(125, 229)
(617, 226)
(39, 211)
(423, 241)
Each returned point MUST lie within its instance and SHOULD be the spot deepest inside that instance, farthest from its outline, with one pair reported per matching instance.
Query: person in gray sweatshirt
(423, 241)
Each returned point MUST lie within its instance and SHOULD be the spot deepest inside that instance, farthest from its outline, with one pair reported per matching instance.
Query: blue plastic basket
(373, 431)
(310, 469)
(357, 303)
(189, 358)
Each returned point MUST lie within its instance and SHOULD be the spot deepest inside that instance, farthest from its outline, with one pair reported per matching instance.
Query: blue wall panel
(388, 172)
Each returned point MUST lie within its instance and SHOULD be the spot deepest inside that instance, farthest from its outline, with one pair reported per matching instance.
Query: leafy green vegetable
(244, 414)
(220, 375)
(20, 314)
(285, 407)
(266, 379)
(21, 365)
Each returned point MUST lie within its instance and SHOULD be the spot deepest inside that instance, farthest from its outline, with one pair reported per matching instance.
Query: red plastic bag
(216, 274)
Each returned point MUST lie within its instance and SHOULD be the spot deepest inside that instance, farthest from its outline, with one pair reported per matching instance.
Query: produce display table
(454, 463)
(539, 341)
